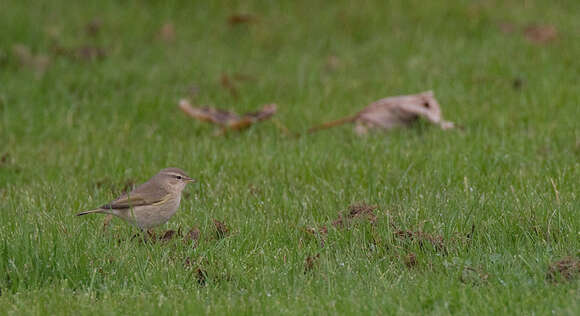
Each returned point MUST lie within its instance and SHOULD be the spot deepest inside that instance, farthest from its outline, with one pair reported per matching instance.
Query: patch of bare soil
(567, 268)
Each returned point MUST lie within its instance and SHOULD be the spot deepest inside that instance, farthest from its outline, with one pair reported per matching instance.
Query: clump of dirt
(170, 234)
(200, 273)
(356, 211)
(540, 33)
(193, 235)
(421, 238)
(410, 260)
(221, 229)
(241, 18)
(567, 268)
(310, 263)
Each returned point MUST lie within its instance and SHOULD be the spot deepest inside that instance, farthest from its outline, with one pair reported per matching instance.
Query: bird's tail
(98, 210)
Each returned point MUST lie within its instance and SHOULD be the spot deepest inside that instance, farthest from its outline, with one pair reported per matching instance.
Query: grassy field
(90, 112)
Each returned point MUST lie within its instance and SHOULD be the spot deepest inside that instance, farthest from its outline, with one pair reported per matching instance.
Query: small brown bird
(151, 204)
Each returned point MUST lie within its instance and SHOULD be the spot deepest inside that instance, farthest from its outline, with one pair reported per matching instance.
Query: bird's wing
(145, 194)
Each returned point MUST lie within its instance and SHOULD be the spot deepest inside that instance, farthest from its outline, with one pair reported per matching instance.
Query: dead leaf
(567, 268)
(167, 33)
(241, 18)
(388, 113)
(226, 119)
(540, 33)
(221, 229)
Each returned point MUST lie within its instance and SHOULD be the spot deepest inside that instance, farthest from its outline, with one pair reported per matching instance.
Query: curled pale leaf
(398, 111)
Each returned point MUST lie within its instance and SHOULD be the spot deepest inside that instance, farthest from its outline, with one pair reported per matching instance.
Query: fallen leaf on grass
(388, 113)
(567, 268)
(221, 229)
(540, 34)
(310, 263)
(227, 120)
(241, 18)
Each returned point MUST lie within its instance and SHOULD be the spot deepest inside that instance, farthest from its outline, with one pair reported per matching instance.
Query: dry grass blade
(388, 113)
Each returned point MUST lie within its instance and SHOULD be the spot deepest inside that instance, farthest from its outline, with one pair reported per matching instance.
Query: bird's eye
(178, 177)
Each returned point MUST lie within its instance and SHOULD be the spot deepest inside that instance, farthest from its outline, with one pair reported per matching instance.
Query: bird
(152, 203)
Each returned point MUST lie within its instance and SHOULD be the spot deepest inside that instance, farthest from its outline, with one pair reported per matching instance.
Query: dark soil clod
(410, 260)
(421, 237)
(567, 268)
(201, 276)
(193, 235)
(168, 235)
(310, 263)
(221, 229)
(241, 18)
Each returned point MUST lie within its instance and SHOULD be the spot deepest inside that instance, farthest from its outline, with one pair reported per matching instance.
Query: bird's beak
(190, 180)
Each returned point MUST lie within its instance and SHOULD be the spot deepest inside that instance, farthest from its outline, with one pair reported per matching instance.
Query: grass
(74, 135)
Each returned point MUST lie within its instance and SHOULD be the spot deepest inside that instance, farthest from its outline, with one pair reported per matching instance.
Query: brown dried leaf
(540, 34)
(241, 18)
(221, 229)
(227, 119)
(399, 111)
(567, 268)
